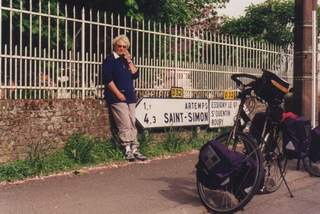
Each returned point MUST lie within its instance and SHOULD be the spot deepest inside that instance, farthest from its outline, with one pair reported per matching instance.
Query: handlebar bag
(271, 88)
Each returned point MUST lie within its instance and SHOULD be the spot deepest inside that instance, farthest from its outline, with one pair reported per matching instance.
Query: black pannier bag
(218, 167)
(296, 137)
(315, 144)
(270, 87)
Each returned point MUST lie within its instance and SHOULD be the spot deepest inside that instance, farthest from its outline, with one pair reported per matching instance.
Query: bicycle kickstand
(284, 180)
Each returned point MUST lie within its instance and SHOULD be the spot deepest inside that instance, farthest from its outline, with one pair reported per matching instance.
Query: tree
(34, 28)
(271, 21)
(181, 12)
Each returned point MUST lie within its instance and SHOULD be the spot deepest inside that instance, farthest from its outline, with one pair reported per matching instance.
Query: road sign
(157, 112)
(229, 94)
(222, 112)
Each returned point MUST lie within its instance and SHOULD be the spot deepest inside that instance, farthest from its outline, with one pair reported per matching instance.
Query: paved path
(156, 187)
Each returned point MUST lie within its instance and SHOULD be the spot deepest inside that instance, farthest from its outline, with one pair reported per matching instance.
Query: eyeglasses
(121, 46)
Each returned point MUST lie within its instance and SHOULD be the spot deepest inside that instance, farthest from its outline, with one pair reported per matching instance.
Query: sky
(236, 8)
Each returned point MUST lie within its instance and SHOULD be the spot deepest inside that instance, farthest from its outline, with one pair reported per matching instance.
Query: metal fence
(52, 51)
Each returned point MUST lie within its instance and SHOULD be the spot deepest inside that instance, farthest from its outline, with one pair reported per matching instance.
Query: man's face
(120, 47)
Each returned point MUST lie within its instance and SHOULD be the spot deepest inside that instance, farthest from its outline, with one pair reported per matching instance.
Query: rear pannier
(296, 137)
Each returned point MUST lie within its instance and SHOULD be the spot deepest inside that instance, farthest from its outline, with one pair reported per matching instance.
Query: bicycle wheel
(233, 198)
(313, 167)
(275, 164)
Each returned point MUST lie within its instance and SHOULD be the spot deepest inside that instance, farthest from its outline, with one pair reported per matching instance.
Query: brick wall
(24, 122)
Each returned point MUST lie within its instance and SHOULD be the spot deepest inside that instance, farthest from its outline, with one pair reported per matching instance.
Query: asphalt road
(156, 187)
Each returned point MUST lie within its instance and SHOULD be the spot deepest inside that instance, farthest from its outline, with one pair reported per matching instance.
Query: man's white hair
(123, 38)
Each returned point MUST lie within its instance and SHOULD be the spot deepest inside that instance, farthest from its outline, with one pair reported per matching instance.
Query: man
(118, 75)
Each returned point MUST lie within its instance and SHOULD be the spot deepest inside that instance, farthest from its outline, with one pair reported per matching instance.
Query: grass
(83, 151)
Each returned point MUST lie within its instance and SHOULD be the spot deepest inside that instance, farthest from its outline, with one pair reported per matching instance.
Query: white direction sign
(222, 112)
(157, 112)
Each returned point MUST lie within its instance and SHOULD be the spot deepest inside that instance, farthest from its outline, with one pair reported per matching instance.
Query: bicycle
(266, 151)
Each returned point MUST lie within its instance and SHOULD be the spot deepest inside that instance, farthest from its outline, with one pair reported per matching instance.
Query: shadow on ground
(181, 190)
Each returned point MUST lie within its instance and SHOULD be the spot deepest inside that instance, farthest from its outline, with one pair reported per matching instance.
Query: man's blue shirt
(116, 69)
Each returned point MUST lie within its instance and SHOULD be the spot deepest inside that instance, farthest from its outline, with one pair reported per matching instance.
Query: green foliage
(106, 152)
(170, 11)
(270, 21)
(79, 148)
(32, 24)
(37, 154)
(15, 171)
(197, 138)
(145, 139)
(172, 143)
(180, 12)
(58, 162)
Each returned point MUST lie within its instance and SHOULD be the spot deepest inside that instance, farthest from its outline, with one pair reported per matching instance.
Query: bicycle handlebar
(235, 77)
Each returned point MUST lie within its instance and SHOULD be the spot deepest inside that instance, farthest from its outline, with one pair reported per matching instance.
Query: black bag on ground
(315, 144)
(296, 137)
(218, 167)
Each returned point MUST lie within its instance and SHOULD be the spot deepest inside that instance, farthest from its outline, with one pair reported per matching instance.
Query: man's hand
(127, 56)
(132, 67)
(113, 88)
(121, 97)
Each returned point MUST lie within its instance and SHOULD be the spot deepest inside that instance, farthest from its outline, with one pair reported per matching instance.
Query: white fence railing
(53, 51)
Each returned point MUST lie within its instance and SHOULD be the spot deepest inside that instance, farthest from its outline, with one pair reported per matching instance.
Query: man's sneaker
(139, 156)
(129, 156)
(128, 153)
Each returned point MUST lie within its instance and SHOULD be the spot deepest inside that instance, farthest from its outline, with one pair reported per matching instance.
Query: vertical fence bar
(105, 35)
(25, 73)
(111, 46)
(83, 33)
(176, 55)
(160, 47)
(118, 25)
(87, 72)
(90, 66)
(54, 63)
(190, 45)
(137, 44)
(98, 34)
(20, 50)
(40, 50)
(5, 69)
(165, 53)
(30, 44)
(14, 85)
(43, 81)
(170, 41)
(49, 29)
(131, 33)
(154, 41)
(1, 81)
(10, 46)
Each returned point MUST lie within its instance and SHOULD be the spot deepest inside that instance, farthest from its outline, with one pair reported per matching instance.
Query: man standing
(118, 73)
